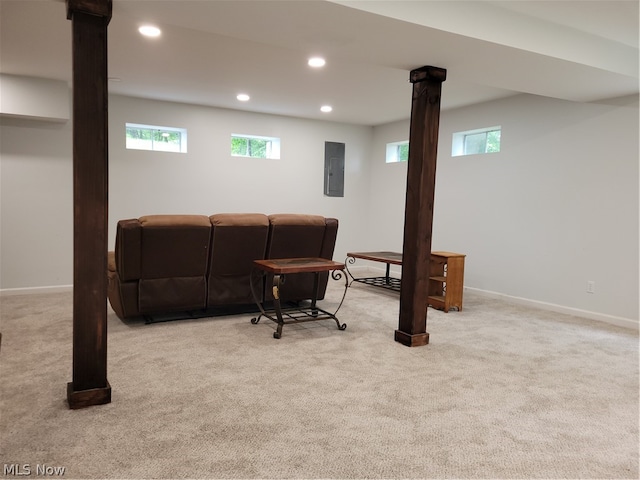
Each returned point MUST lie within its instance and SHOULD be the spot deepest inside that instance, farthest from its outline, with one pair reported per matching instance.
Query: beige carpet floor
(502, 391)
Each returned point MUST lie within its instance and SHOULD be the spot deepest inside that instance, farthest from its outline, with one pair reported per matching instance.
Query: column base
(409, 340)
(88, 398)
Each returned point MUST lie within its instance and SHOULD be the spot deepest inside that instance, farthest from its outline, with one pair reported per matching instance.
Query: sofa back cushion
(296, 235)
(237, 240)
(174, 246)
(167, 255)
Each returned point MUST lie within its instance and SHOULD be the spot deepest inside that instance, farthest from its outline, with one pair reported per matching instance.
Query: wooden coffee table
(290, 266)
(390, 258)
(446, 276)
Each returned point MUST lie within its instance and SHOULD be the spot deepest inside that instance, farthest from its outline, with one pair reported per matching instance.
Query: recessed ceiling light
(316, 62)
(326, 108)
(243, 97)
(149, 31)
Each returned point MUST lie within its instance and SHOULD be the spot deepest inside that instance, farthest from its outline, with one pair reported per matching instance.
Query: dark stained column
(90, 202)
(418, 216)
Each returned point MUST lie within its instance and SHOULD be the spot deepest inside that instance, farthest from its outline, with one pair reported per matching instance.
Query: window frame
(272, 150)
(393, 154)
(459, 141)
(182, 145)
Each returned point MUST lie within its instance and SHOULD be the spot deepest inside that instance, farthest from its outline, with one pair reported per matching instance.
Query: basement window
(398, 151)
(474, 142)
(254, 146)
(156, 138)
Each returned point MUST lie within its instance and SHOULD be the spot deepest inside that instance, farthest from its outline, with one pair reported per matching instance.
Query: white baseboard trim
(576, 312)
(610, 319)
(5, 292)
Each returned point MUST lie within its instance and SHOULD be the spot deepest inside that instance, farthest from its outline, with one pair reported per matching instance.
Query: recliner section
(184, 263)
(293, 235)
(238, 240)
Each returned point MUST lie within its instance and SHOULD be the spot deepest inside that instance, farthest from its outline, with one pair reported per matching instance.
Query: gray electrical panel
(334, 169)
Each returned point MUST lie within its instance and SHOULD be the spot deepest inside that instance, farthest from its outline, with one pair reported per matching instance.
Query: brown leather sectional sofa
(194, 265)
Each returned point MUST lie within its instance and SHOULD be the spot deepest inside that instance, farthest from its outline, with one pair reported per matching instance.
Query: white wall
(36, 246)
(36, 203)
(558, 206)
(209, 180)
(35, 98)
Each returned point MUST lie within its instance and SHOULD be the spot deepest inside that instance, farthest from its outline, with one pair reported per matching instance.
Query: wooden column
(90, 202)
(418, 216)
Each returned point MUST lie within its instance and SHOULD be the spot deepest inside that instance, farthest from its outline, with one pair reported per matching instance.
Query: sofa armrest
(329, 239)
(111, 261)
(127, 253)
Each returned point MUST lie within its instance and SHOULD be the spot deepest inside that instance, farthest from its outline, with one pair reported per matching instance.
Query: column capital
(100, 8)
(428, 73)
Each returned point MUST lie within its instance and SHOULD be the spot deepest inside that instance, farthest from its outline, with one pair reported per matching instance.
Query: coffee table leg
(277, 281)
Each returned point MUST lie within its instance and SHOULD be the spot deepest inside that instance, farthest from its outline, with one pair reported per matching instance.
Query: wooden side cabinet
(446, 280)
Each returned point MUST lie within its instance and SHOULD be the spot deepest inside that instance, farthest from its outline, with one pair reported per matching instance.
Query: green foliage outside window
(493, 141)
(155, 135)
(138, 133)
(153, 139)
(483, 142)
(249, 147)
(403, 152)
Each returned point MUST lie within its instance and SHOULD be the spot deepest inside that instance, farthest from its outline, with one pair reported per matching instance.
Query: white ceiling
(210, 50)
